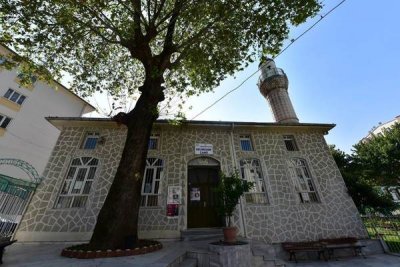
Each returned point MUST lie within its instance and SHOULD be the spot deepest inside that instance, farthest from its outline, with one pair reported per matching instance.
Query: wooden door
(202, 210)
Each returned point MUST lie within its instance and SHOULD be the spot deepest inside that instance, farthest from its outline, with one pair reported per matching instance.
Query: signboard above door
(203, 149)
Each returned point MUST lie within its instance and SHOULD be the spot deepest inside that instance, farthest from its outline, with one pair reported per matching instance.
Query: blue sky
(344, 71)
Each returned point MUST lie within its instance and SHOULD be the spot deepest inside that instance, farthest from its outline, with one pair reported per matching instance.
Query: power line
(262, 65)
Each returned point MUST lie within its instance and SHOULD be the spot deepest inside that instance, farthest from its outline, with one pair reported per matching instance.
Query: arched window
(151, 182)
(302, 180)
(76, 187)
(250, 170)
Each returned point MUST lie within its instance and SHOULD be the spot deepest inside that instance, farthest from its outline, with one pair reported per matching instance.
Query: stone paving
(48, 255)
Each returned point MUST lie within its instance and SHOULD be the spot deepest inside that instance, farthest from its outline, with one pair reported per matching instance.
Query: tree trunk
(117, 222)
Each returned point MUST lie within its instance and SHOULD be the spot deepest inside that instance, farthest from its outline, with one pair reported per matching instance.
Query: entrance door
(202, 210)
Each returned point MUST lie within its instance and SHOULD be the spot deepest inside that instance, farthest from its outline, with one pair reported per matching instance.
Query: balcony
(268, 73)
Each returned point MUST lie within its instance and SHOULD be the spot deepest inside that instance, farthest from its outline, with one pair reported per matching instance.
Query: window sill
(10, 104)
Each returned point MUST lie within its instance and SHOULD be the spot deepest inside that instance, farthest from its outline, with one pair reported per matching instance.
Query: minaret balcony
(267, 73)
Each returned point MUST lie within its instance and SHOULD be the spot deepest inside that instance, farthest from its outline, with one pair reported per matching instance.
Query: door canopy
(24, 166)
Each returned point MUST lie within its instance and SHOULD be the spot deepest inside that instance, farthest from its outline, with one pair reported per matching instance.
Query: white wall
(29, 136)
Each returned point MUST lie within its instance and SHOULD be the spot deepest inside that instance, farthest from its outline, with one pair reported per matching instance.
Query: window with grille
(153, 141)
(302, 180)
(15, 96)
(91, 141)
(245, 143)
(4, 121)
(76, 187)
(290, 143)
(151, 182)
(250, 170)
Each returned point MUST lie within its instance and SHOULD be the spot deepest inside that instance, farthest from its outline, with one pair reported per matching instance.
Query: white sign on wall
(174, 195)
(203, 149)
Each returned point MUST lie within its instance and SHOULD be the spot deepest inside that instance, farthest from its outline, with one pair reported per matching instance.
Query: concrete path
(48, 255)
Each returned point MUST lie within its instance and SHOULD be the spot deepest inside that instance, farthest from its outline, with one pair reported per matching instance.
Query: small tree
(366, 195)
(229, 190)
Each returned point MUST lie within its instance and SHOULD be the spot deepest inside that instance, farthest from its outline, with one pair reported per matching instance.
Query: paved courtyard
(48, 255)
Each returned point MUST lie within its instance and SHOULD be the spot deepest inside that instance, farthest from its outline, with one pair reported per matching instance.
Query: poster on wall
(172, 210)
(195, 194)
(174, 195)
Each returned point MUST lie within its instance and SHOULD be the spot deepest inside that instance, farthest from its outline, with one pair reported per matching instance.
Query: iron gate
(15, 195)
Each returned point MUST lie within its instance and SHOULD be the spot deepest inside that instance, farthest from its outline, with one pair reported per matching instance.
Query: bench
(332, 244)
(4, 242)
(293, 247)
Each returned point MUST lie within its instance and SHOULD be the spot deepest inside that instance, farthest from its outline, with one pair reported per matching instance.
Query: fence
(388, 227)
(14, 197)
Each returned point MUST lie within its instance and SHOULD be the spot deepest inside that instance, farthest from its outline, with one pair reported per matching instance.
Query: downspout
(234, 160)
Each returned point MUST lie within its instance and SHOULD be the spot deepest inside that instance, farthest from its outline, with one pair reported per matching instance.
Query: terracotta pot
(230, 234)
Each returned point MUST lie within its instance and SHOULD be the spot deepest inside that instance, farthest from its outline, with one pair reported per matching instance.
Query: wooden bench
(332, 244)
(293, 247)
(4, 242)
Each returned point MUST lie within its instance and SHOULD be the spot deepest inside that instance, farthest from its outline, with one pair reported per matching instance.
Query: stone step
(188, 262)
(202, 234)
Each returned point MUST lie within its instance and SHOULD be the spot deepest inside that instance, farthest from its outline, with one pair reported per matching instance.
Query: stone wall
(283, 218)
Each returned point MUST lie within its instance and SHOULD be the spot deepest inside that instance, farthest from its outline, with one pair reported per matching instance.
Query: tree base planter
(232, 254)
(81, 251)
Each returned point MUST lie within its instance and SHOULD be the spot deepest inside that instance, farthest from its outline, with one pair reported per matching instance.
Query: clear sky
(345, 71)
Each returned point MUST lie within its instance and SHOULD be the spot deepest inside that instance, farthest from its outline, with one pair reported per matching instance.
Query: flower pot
(230, 234)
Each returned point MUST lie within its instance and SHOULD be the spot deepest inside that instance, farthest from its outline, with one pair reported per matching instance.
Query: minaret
(273, 85)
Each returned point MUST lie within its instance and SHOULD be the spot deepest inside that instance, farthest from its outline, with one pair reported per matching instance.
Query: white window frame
(157, 138)
(13, 92)
(4, 117)
(251, 171)
(88, 135)
(302, 180)
(153, 173)
(293, 143)
(68, 197)
(246, 137)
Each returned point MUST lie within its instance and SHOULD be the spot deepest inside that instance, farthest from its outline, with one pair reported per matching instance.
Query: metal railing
(386, 227)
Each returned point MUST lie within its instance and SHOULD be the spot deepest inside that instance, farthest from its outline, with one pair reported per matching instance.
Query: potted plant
(229, 190)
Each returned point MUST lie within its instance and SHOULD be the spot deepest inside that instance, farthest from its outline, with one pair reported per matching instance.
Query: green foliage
(113, 46)
(379, 156)
(229, 190)
(366, 194)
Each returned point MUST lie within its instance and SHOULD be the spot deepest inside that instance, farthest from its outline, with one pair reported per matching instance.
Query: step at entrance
(202, 234)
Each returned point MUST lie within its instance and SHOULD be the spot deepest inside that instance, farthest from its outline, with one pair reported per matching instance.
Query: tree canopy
(365, 192)
(113, 45)
(379, 156)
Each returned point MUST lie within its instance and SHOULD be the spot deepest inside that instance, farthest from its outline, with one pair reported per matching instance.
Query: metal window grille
(302, 181)
(250, 170)
(4, 121)
(91, 141)
(153, 142)
(290, 143)
(14, 96)
(245, 143)
(76, 187)
(151, 182)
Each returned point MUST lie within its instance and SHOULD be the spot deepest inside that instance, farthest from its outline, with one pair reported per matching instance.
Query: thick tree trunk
(117, 222)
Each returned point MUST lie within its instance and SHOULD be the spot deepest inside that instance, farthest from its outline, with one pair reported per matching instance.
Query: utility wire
(262, 65)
